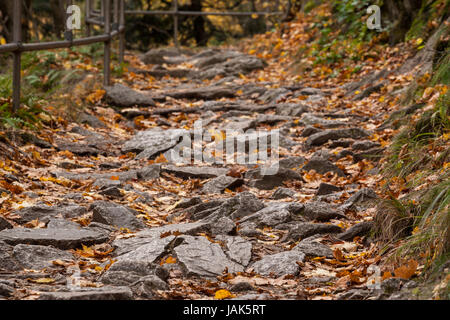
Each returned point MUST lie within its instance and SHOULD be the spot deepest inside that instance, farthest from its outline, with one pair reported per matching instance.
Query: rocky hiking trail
(105, 214)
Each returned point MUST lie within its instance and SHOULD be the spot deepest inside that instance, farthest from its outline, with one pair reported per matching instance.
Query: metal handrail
(112, 29)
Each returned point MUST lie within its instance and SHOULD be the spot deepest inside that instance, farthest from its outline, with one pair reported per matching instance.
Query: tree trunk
(58, 12)
(6, 7)
(401, 14)
(199, 24)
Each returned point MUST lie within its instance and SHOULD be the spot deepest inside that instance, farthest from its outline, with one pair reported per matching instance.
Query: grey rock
(310, 91)
(79, 148)
(241, 286)
(4, 224)
(238, 249)
(160, 55)
(311, 119)
(359, 229)
(354, 294)
(62, 224)
(279, 264)
(248, 204)
(276, 218)
(391, 285)
(203, 93)
(322, 137)
(125, 97)
(149, 172)
(151, 235)
(223, 225)
(200, 257)
(365, 145)
(103, 293)
(309, 130)
(194, 172)
(249, 230)
(314, 249)
(326, 188)
(30, 195)
(115, 215)
(91, 120)
(186, 203)
(141, 260)
(268, 182)
(274, 95)
(6, 290)
(113, 192)
(322, 166)
(373, 154)
(7, 262)
(153, 141)
(291, 162)
(321, 211)
(304, 230)
(344, 143)
(59, 238)
(107, 183)
(273, 215)
(253, 297)
(291, 109)
(271, 118)
(363, 198)
(38, 257)
(146, 287)
(219, 184)
(119, 278)
(41, 211)
(282, 193)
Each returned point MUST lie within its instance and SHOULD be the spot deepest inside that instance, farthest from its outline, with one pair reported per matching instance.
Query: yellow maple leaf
(223, 294)
(42, 280)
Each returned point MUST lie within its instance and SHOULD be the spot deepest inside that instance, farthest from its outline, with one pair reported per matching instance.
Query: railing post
(115, 25)
(107, 53)
(122, 32)
(175, 24)
(17, 38)
(88, 16)
(68, 34)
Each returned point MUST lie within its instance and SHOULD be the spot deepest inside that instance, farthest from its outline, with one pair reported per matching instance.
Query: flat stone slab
(238, 249)
(103, 293)
(305, 229)
(148, 235)
(38, 257)
(314, 249)
(219, 184)
(125, 97)
(359, 229)
(321, 211)
(279, 264)
(203, 93)
(322, 166)
(4, 224)
(59, 238)
(151, 142)
(194, 172)
(268, 182)
(200, 257)
(43, 211)
(114, 214)
(322, 137)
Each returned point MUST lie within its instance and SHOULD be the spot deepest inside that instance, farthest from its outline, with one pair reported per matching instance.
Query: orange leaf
(338, 255)
(223, 294)
(406, 271)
